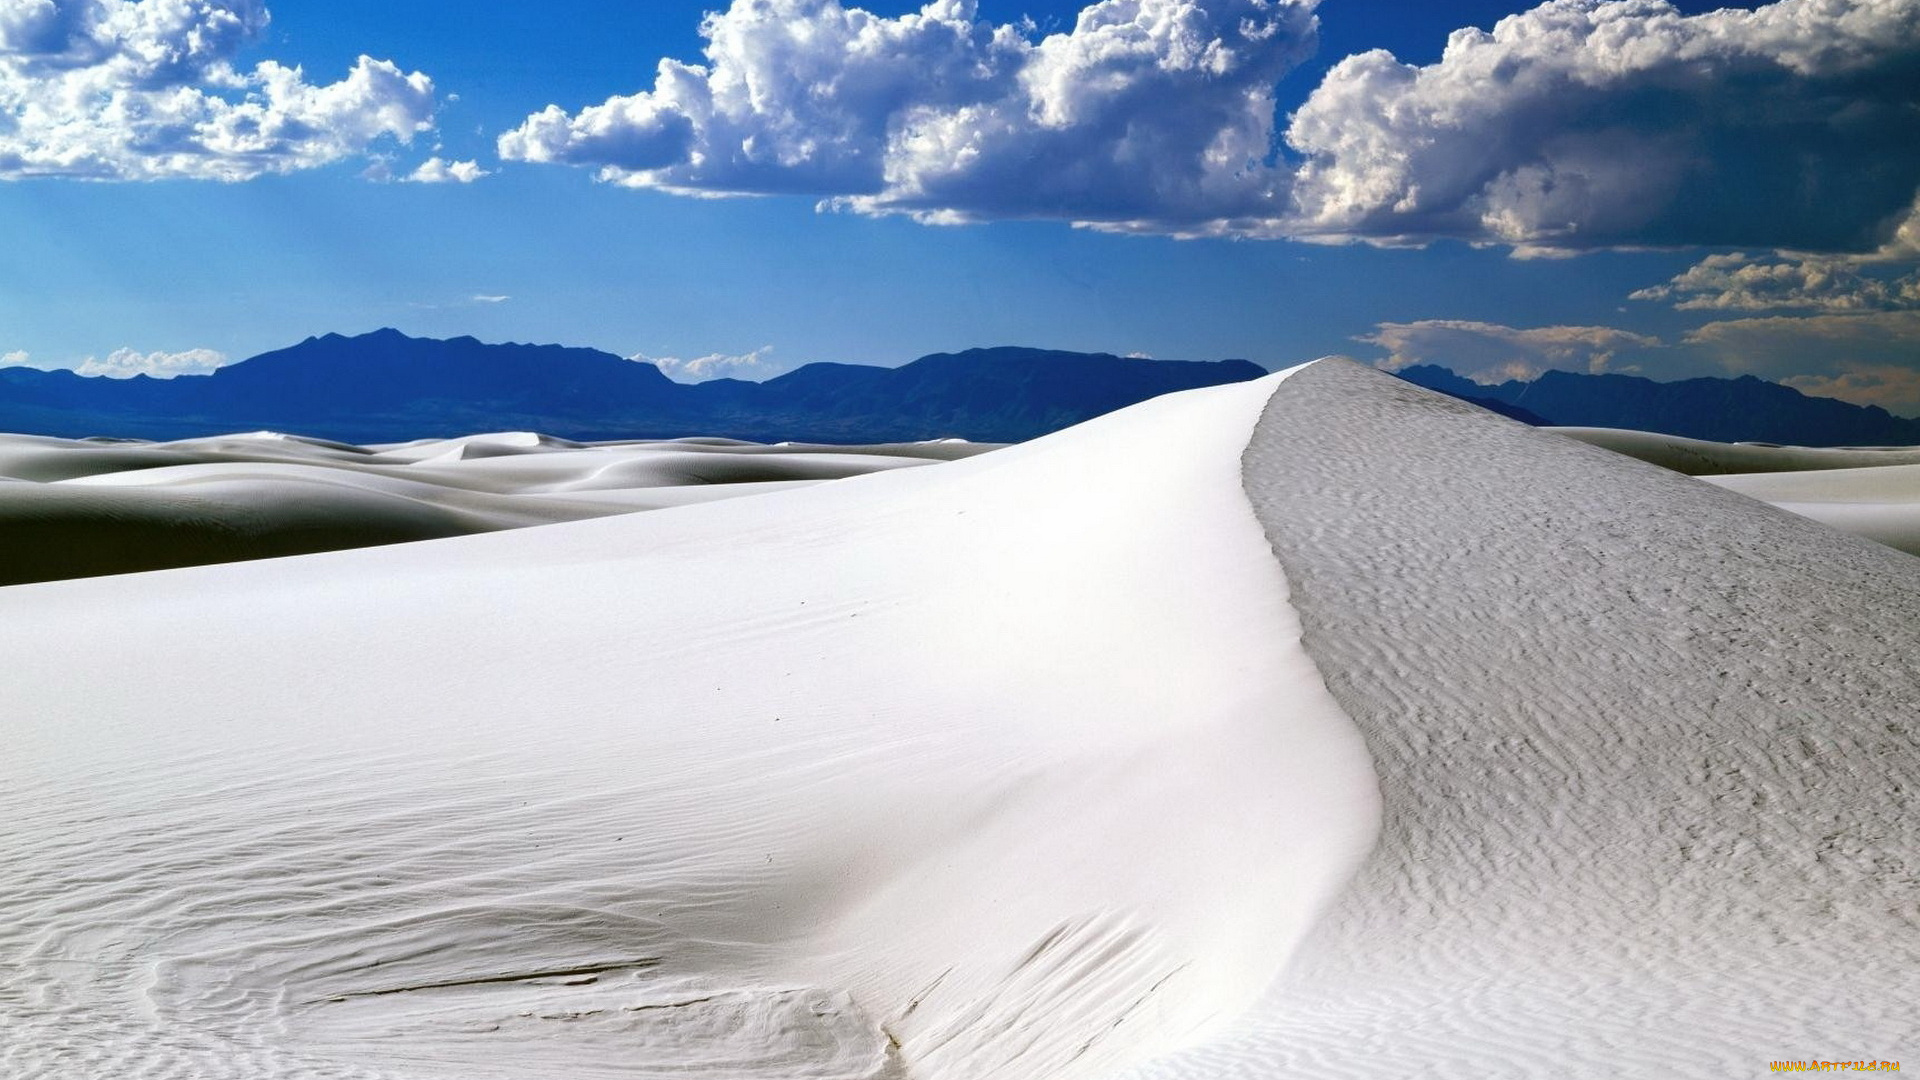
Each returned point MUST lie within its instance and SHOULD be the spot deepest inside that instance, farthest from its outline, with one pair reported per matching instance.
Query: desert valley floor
(1316, 726)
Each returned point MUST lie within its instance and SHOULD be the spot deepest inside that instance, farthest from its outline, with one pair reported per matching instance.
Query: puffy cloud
(1885, 279)
(147, 89)
(1739, 282)
(754, 366)
(126, 363)
(1577, 124)
(1491, 353)
(1580, 124)
(436, 171)
(1147, 114)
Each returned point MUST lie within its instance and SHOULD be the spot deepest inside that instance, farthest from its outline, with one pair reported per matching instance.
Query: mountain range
(1746, 409)
(387, 387)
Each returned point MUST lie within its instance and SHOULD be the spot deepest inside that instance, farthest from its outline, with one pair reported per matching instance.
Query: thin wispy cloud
(1490, 353)
(1777, 347)
(1864, 357)
(151, 89)
(1890, 386)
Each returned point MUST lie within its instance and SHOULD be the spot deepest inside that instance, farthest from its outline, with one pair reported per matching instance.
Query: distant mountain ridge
(387, 387)
(1746, 409)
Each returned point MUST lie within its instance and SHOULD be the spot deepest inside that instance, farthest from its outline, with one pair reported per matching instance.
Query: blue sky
(1627, 186)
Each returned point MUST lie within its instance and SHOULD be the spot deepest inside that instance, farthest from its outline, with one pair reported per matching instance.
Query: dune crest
(1010, 768)
(1647, 752)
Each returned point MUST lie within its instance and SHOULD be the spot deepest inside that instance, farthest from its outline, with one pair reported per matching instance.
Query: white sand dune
(84, 507)
(1699, 457)
(1536, 761)
(1868, 491)
(1647, 751)
(1881, 503)
(1009, 768)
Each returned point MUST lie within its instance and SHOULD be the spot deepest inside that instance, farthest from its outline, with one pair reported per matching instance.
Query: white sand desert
(1868, 491)
(83, 507)
(1311, 727)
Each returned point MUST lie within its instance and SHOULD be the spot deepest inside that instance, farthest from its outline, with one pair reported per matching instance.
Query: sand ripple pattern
(166, 921)
(1648, 752)
(1009, 768)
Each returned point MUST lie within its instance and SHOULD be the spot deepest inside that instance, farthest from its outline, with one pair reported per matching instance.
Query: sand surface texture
(1648, 753)
(1699, 457)
(1536, 761)
(1009, 768)
(1881, 503)
(76, 507)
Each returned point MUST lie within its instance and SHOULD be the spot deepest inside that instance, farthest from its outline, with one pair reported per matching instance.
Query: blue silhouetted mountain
(386, 386)
(1746, 409)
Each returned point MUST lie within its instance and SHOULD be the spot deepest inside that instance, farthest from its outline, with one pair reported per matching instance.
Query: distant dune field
(79, 508)
(1315, 726)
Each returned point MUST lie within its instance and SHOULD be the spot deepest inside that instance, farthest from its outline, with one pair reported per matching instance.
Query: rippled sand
(1312, 727)
(1647, 750)
(1009, 767)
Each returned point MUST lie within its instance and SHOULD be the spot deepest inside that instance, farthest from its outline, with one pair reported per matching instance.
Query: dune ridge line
(1007, 768)
(1646, 747)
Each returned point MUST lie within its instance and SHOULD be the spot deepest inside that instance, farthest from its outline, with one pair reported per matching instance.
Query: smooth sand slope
(1699, 457)
(1648, 752)
(1538, 761)
(77, 507)
(1010, 768)
(1881, 503)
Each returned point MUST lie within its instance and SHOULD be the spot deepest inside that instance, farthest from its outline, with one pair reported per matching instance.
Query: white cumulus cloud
(149, 89)
(1578, 124)
(1582, 124)
(753, 366)
(1886, 279)
(126, 363)
(1742, 282)
(435, 170)
(1147, 114)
